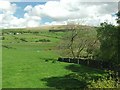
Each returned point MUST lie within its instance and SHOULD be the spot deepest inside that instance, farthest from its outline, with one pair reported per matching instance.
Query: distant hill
(51, 27)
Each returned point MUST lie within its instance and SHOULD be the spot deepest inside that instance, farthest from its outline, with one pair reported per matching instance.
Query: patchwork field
(30, 61)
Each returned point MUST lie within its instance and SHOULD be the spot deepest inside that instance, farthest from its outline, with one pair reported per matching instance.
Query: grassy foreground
(30, 61)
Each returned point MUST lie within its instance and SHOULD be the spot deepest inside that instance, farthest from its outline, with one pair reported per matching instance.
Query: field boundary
(104, 65)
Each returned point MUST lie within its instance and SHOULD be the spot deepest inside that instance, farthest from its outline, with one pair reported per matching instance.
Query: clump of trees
(109, 37)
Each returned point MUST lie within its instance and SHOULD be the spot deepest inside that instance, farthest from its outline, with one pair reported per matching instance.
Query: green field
(30, 61)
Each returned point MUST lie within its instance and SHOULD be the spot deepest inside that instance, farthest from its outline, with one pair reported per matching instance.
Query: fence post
(62, 59)
(78, 60)
(88, 62)
(69, 59)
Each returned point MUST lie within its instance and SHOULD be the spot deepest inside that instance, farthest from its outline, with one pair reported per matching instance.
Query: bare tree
(78, 40)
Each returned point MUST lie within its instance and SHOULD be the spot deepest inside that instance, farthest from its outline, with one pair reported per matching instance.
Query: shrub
(103, 83)
(23, 39)
(43, 40)
(2, 38)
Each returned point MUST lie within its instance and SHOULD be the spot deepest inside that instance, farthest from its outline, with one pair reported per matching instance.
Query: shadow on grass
(85, 73)
(79, 78)
(64, 82)
(83, 69)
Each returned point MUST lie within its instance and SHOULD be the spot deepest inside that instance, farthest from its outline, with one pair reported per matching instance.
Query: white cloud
(86, 13)
(4, 5)
(7, 7)
(32, 15)
(28, 8)
(95, 21)
(32, 23)
(8, 20)
(56, 23)
(34, 11)
(54, 10)
(60, 12)
(1, 18)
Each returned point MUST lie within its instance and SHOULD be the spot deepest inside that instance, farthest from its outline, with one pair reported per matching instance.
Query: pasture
(29, 60)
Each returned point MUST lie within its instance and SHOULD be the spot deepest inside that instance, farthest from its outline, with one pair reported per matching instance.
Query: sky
(56, 12)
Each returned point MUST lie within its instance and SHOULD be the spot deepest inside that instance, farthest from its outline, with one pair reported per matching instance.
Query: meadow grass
(34, 64)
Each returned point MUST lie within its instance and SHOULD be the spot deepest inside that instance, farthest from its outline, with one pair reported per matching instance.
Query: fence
(99, 64)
